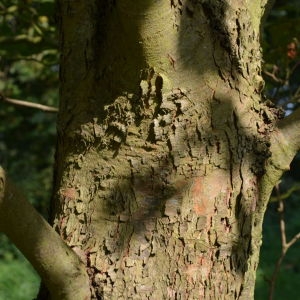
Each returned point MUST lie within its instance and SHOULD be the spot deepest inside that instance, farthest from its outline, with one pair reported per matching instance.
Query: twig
(284, 244)
(29, 104)
(274, 77)
(287, 194)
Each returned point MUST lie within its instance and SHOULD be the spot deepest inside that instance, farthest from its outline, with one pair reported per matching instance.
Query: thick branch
(59, 267)
(289, 127)
(285, 140)
(285, 143)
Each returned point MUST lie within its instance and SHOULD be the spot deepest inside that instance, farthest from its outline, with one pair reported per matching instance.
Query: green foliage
(26, 29)
(28, 71)
(280, 27)
(18, 281)
(289, 275)
(282, 87)
(282, 63)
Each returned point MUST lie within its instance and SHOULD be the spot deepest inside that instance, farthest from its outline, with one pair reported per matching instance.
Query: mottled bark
(164, 146)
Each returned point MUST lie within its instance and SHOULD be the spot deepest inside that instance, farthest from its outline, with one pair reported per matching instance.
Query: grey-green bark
(166, 153)
(164, 146)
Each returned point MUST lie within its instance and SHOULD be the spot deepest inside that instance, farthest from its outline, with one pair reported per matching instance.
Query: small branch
(284, 244)
(287, 194)
(29, 104)
(293, 240)
(273, 76)
(59, 267)
(281, 220)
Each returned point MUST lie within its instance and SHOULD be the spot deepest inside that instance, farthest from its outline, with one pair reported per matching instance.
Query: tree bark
(165, 155)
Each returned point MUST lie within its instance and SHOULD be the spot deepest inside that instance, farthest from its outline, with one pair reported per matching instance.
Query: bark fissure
(165, 152)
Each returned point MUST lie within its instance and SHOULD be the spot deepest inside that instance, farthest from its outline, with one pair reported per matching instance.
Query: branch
(273, 76)
(284, 244)
(29, 104)
(289, 127)
(284, 145)
(287, 194)
(59, 267)
(285, 142)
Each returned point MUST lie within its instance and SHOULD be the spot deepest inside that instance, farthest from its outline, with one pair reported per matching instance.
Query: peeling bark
(162, 167)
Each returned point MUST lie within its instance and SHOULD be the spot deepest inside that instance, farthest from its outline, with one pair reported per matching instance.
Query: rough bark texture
(160, 184)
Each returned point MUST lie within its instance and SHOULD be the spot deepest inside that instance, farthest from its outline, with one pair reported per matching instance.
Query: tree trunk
(162, 174)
